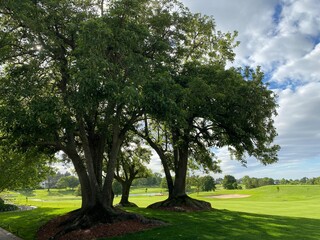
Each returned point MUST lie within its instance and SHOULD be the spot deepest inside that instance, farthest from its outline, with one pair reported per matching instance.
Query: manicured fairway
(291, 201)
(293, 212)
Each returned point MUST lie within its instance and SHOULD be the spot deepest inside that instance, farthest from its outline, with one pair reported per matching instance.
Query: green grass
(224, 224)
(293, 212)
(291, 201)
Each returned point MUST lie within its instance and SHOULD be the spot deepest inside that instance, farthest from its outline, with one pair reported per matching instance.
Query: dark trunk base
(88, 218)
(181, 204)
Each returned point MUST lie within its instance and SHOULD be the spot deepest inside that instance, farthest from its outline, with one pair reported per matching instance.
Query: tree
(131, 165)
(208, 183)
(208, 108)
(153, 180)
(53, 178)
(304, 180)
(284, 181)
(7, 207)
(266, 181)
(76, 78)
(68, 182)
(229, 182)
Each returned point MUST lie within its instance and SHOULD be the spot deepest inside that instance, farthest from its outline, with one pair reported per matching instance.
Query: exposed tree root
(181, 204)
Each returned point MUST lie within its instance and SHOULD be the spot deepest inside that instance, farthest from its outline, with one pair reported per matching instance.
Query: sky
(283, 37)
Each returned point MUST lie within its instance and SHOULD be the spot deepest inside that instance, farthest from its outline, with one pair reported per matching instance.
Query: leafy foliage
(7, 207)
(229, 182)
(117, 188)
(22, 169)
(68, 182)
(153, 180)
(208, 184)
(256, 182)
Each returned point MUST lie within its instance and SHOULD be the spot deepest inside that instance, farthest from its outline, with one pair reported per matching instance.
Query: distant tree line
(60, 180)
(253, 182)
(153, 180)
(302, 181)
(256, 182)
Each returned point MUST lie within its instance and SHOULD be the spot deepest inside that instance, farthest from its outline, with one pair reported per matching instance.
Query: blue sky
(283, 37)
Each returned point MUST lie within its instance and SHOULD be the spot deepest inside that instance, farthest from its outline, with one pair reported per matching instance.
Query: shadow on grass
(228, 225)
(209, 225)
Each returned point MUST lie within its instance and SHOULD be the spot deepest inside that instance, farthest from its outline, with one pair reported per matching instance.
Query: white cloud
(304, 69)
(300, 16)
(251, 18)
(298, 122)
(286, 45)
(280, 50)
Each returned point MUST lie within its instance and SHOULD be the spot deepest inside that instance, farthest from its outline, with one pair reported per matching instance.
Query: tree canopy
(68, 182)
(229, 182)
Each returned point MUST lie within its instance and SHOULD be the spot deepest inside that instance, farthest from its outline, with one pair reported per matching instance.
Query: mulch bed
(98, 231)
(103, 230)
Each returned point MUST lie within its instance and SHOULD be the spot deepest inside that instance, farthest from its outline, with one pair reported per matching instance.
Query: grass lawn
(293, 212)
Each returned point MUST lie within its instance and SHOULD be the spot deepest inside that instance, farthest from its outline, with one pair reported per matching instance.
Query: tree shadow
(229, 225)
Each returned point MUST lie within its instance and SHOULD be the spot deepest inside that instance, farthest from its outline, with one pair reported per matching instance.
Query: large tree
(217, 107)
(73, 79)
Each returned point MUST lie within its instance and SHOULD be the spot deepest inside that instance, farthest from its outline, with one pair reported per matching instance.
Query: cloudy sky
(283, 37)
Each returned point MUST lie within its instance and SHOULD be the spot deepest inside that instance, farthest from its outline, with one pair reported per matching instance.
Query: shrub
(7, 207)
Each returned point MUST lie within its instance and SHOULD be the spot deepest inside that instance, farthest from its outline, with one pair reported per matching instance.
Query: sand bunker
(224, 196)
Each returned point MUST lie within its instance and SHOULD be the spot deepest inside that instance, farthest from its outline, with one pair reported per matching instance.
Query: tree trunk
(165, 165)
(179, 200)
(93, 209)
(124, 202)
(181, 173)
(117, 140)
(125, 193)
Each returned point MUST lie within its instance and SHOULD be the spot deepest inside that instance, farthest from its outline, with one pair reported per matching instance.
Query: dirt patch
(227, 196)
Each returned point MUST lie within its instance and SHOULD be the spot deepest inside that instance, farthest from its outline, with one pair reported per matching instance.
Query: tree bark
(181, 173)
(179, 200)
(125, 193)
(165, 165)
(117, 140)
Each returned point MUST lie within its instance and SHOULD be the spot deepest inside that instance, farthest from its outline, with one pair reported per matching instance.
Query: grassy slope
(291, 213)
